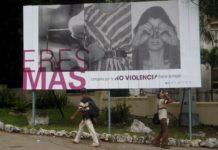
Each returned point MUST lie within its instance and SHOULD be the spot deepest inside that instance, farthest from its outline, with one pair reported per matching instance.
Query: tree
(208, 12)
(210, 57)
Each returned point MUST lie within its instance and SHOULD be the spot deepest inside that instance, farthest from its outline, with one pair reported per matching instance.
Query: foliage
(11, 118)
(20, 105)
(6, 98)
(210, 56)
(11, 99)
(214, 56)
(120, 114)
(205, 32)
(205, 56)
(209, 7)
(50, 99)
(208, 12)
(55, 118)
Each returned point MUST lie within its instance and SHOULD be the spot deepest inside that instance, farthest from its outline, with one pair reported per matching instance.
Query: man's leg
(92, 132)
(79, 133)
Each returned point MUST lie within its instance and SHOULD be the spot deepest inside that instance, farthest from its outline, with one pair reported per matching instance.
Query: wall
(140, 106)
(208, 112)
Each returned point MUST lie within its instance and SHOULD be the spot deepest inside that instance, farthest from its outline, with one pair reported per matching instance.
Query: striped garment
(112, 31)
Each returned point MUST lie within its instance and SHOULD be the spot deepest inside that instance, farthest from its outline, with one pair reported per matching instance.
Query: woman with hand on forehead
(163, 100)
(155, 43)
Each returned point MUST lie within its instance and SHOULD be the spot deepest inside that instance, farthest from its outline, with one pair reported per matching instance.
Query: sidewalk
(13, 141)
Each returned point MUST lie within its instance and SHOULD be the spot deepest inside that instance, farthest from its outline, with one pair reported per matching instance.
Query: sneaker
(94, 145)
(75, 141)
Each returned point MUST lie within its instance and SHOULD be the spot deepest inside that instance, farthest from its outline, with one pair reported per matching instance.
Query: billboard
(126, 45)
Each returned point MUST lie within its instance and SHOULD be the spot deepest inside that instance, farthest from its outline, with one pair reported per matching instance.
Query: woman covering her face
(155, 44)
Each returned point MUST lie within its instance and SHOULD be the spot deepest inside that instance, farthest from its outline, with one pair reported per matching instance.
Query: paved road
(13, 141)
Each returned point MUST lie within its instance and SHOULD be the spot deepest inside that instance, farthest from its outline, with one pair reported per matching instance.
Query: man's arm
(75, 114)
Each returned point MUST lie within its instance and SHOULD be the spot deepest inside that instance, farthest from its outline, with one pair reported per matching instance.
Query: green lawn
(8, 117)
(59, 123)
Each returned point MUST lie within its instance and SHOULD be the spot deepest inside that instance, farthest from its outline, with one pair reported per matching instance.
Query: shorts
(162, 113)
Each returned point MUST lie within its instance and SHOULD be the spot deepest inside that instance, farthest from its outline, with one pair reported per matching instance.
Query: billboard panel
(112, 45)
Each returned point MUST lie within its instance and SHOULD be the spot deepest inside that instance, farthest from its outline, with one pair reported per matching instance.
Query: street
(15, 141)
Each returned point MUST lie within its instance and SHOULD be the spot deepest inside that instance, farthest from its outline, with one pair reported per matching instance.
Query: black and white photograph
(108, 35)
(61, 36)
(104, 37)
(155, 43)
(94, 37)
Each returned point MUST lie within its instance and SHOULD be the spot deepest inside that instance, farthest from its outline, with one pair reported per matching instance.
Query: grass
(58, 123)
(8, 117)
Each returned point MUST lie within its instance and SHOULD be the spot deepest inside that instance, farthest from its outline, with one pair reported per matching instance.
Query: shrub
(120, 114)
(50, 99)
(6, 98)
(11, 99)
(20, 104)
